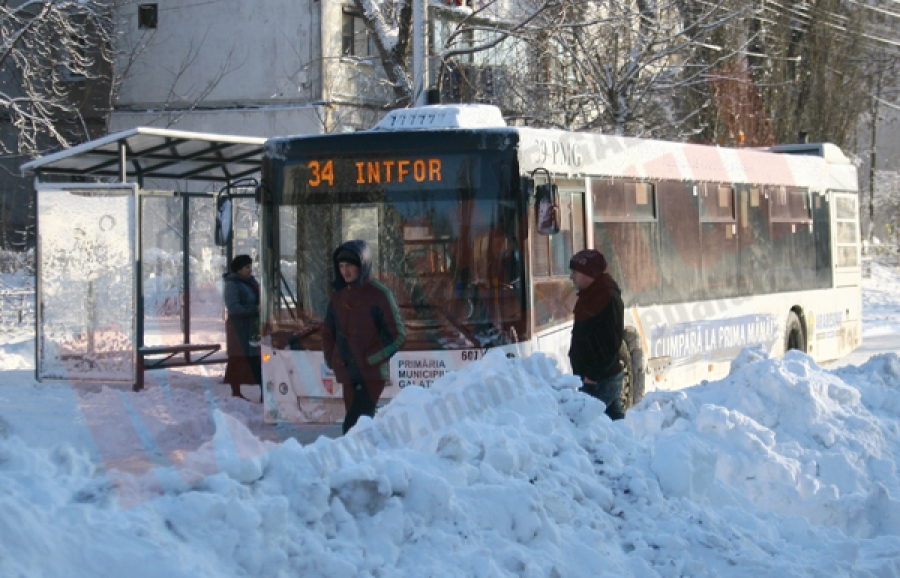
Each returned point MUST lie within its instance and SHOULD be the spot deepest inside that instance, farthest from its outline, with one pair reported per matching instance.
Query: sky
(783, 468)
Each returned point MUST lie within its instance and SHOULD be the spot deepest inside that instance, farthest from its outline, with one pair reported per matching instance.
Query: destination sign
(321, 172)
(363, 173)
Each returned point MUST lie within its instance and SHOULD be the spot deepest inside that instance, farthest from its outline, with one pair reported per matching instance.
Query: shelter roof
(157, 153)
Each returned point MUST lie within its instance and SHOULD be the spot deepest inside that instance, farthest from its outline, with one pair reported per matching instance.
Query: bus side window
(571, 233)
(550, 262)
(625, 231)
(718, 240)
(755, 245)
(794, 258)
(551, 253)
(821, 210)
(846, 215)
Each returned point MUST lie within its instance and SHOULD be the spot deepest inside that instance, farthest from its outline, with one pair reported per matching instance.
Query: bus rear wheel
(794, 338)
(632, 357)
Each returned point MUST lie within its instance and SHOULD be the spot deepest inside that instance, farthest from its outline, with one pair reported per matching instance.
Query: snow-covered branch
(52, 53)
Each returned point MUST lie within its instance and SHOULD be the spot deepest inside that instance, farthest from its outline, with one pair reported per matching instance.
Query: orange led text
(398, 171)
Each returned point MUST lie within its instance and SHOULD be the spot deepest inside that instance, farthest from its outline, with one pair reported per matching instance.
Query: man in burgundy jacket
(598, 331)
(362, 330)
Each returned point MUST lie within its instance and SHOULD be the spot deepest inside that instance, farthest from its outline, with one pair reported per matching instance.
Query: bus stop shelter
(129, 259)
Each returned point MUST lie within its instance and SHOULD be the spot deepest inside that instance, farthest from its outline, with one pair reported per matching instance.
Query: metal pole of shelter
(138, 286)
(123, 159)
(185, 268)
(229, 247)
(38, 310)
(138, 263)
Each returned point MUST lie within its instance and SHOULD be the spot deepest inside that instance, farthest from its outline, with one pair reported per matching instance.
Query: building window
(355, 39)
(148, 16)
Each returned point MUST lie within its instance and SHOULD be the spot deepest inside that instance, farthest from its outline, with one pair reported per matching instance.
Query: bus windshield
(448, 248)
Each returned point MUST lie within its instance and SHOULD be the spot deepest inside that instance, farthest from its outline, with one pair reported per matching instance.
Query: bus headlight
(282, 388)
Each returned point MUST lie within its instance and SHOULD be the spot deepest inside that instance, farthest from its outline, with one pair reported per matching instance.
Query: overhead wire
(872, 33)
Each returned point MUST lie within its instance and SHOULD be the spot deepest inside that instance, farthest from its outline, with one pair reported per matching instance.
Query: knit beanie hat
(346, 255)
(240, 262)
(591, 263)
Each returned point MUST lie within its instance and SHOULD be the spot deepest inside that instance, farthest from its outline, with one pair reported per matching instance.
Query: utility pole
(419, 53)
(875, 102)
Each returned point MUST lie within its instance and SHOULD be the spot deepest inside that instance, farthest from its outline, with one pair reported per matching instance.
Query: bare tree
(620, 66)
(55, 77)
(55, 57)
(878, 167)
(807, 60)
(468, 32)
(623, 64)
(390, 26)
(62, 64)
(878, 183)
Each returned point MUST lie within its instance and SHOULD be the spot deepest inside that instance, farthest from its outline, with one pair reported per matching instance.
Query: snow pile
(502, 469)
(781, 469)
(880, 301)
(17, 355)
(789, 437)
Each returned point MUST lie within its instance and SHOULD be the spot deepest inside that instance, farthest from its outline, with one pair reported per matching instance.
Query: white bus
(715, 249)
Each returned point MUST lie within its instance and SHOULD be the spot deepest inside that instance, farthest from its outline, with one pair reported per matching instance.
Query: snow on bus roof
(577, 154)
(830, 152)
(442, 116)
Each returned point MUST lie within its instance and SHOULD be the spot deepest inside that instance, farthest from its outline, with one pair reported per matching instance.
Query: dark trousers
(609, 391)
(361, 405)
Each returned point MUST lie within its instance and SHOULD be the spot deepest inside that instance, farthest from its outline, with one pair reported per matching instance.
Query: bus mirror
(223, 220)
(546, 202)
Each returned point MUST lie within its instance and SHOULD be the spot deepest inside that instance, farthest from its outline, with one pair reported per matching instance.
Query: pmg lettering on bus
(398, 171)
(566, 153)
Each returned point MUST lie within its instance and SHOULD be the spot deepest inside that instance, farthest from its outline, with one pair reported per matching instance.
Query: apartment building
(261, 68)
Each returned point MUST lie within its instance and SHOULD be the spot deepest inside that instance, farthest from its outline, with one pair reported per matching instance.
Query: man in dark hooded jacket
(362, 330)
(598, 331)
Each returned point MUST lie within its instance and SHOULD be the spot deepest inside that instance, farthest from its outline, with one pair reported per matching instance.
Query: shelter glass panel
(206, 264)
(161, 264)
(86, 271)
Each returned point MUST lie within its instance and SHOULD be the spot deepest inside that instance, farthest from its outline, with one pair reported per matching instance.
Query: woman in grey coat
(242, 303)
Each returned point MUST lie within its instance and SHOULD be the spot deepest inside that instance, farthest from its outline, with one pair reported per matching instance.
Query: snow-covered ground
(783, 468)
